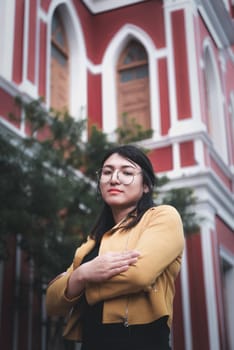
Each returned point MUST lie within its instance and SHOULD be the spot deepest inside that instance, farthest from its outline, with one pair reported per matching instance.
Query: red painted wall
(178, 335)
(7, 105)
(162, 159)
(187, 154)
(45, 4)
(200, 335)
(32, 41)
(42, 59)
(164, 97)
(181, 65)
(225, 235)
(95, 100)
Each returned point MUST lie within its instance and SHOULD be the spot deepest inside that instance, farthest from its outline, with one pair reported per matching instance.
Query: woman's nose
(114, 177)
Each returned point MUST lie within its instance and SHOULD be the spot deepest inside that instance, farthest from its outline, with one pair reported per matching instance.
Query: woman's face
(121, 182)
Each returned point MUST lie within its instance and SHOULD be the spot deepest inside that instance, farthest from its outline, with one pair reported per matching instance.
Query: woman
(118, 293)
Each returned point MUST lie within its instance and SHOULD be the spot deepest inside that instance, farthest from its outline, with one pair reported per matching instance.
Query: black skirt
(153, 336)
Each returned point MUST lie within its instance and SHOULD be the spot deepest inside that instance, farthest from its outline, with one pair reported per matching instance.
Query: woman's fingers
(110, 264)
(120, 258)
(125, 260)
(124, 255)
(115, 261)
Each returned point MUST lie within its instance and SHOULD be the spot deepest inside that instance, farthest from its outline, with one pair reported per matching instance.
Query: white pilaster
(209, 279)
(7, 20)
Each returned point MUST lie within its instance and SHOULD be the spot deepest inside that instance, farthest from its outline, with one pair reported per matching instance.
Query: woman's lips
(114, 190)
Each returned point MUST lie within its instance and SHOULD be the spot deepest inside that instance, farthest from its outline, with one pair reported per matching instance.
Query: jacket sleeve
(160, 245)
(56, 302)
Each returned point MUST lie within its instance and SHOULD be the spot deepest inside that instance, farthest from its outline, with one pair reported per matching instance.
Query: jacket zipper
(125, 322)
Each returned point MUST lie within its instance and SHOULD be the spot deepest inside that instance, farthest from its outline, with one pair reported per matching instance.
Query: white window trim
(218, 135)
(7, 20)
(78, 71)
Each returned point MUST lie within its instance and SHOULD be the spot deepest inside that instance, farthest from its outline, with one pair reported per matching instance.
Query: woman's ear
(145, 188)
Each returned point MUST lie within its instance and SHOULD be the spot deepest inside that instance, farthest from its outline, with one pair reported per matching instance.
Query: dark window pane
(59, 38)
(134, 73)
(58, 55)
(142, 72)
(57, 30)
(135, 53)
(55, 24)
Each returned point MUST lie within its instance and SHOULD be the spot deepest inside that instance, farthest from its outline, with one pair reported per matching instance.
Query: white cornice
(208, 189)
(98, 6)
(194, 135)
(8, 86)
(26, 90)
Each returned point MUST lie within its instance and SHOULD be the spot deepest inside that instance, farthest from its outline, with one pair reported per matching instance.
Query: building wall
(184, 50)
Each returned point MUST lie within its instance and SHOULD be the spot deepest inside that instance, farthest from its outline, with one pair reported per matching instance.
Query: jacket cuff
(74, 300)
(92, 293)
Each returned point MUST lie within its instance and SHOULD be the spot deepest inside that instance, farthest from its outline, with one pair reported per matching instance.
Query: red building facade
(190, 107)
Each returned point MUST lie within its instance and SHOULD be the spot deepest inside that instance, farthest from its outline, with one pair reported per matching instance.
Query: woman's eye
(106, 172)
(127, 173)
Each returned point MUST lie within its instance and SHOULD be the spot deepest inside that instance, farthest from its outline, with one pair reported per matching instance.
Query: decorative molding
(226, 255)
(93, 68)
(208, 189)
(29, 88)
(98, 6)
(218, 21)
(43, 15)
(8, 86)
(186, 302)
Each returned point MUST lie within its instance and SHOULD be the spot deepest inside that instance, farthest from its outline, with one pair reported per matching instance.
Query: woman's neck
(120, 213)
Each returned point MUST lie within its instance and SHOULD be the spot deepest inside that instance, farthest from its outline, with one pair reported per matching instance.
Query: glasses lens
(104, 175)
(125, 177)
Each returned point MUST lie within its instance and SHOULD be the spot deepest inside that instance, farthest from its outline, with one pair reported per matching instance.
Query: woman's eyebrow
(121, 167)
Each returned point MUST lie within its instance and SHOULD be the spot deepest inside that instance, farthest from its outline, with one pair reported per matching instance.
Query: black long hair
(105, 220)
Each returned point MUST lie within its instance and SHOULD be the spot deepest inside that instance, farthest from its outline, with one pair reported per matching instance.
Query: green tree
(130, 131)
(47, 183)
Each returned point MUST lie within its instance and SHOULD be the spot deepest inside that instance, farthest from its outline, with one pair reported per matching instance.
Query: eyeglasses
(125, 176)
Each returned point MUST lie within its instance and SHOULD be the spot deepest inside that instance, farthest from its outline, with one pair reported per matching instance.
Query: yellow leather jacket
(145, 291)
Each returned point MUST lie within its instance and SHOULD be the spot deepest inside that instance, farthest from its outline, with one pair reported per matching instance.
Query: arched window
(215, 121)
(133, 85)
(59, 80)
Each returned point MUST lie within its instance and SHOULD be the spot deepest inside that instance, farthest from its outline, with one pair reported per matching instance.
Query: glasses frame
(98, 173)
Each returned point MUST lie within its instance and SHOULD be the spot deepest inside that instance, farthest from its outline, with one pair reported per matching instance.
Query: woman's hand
(108, 265)
(100, 269)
